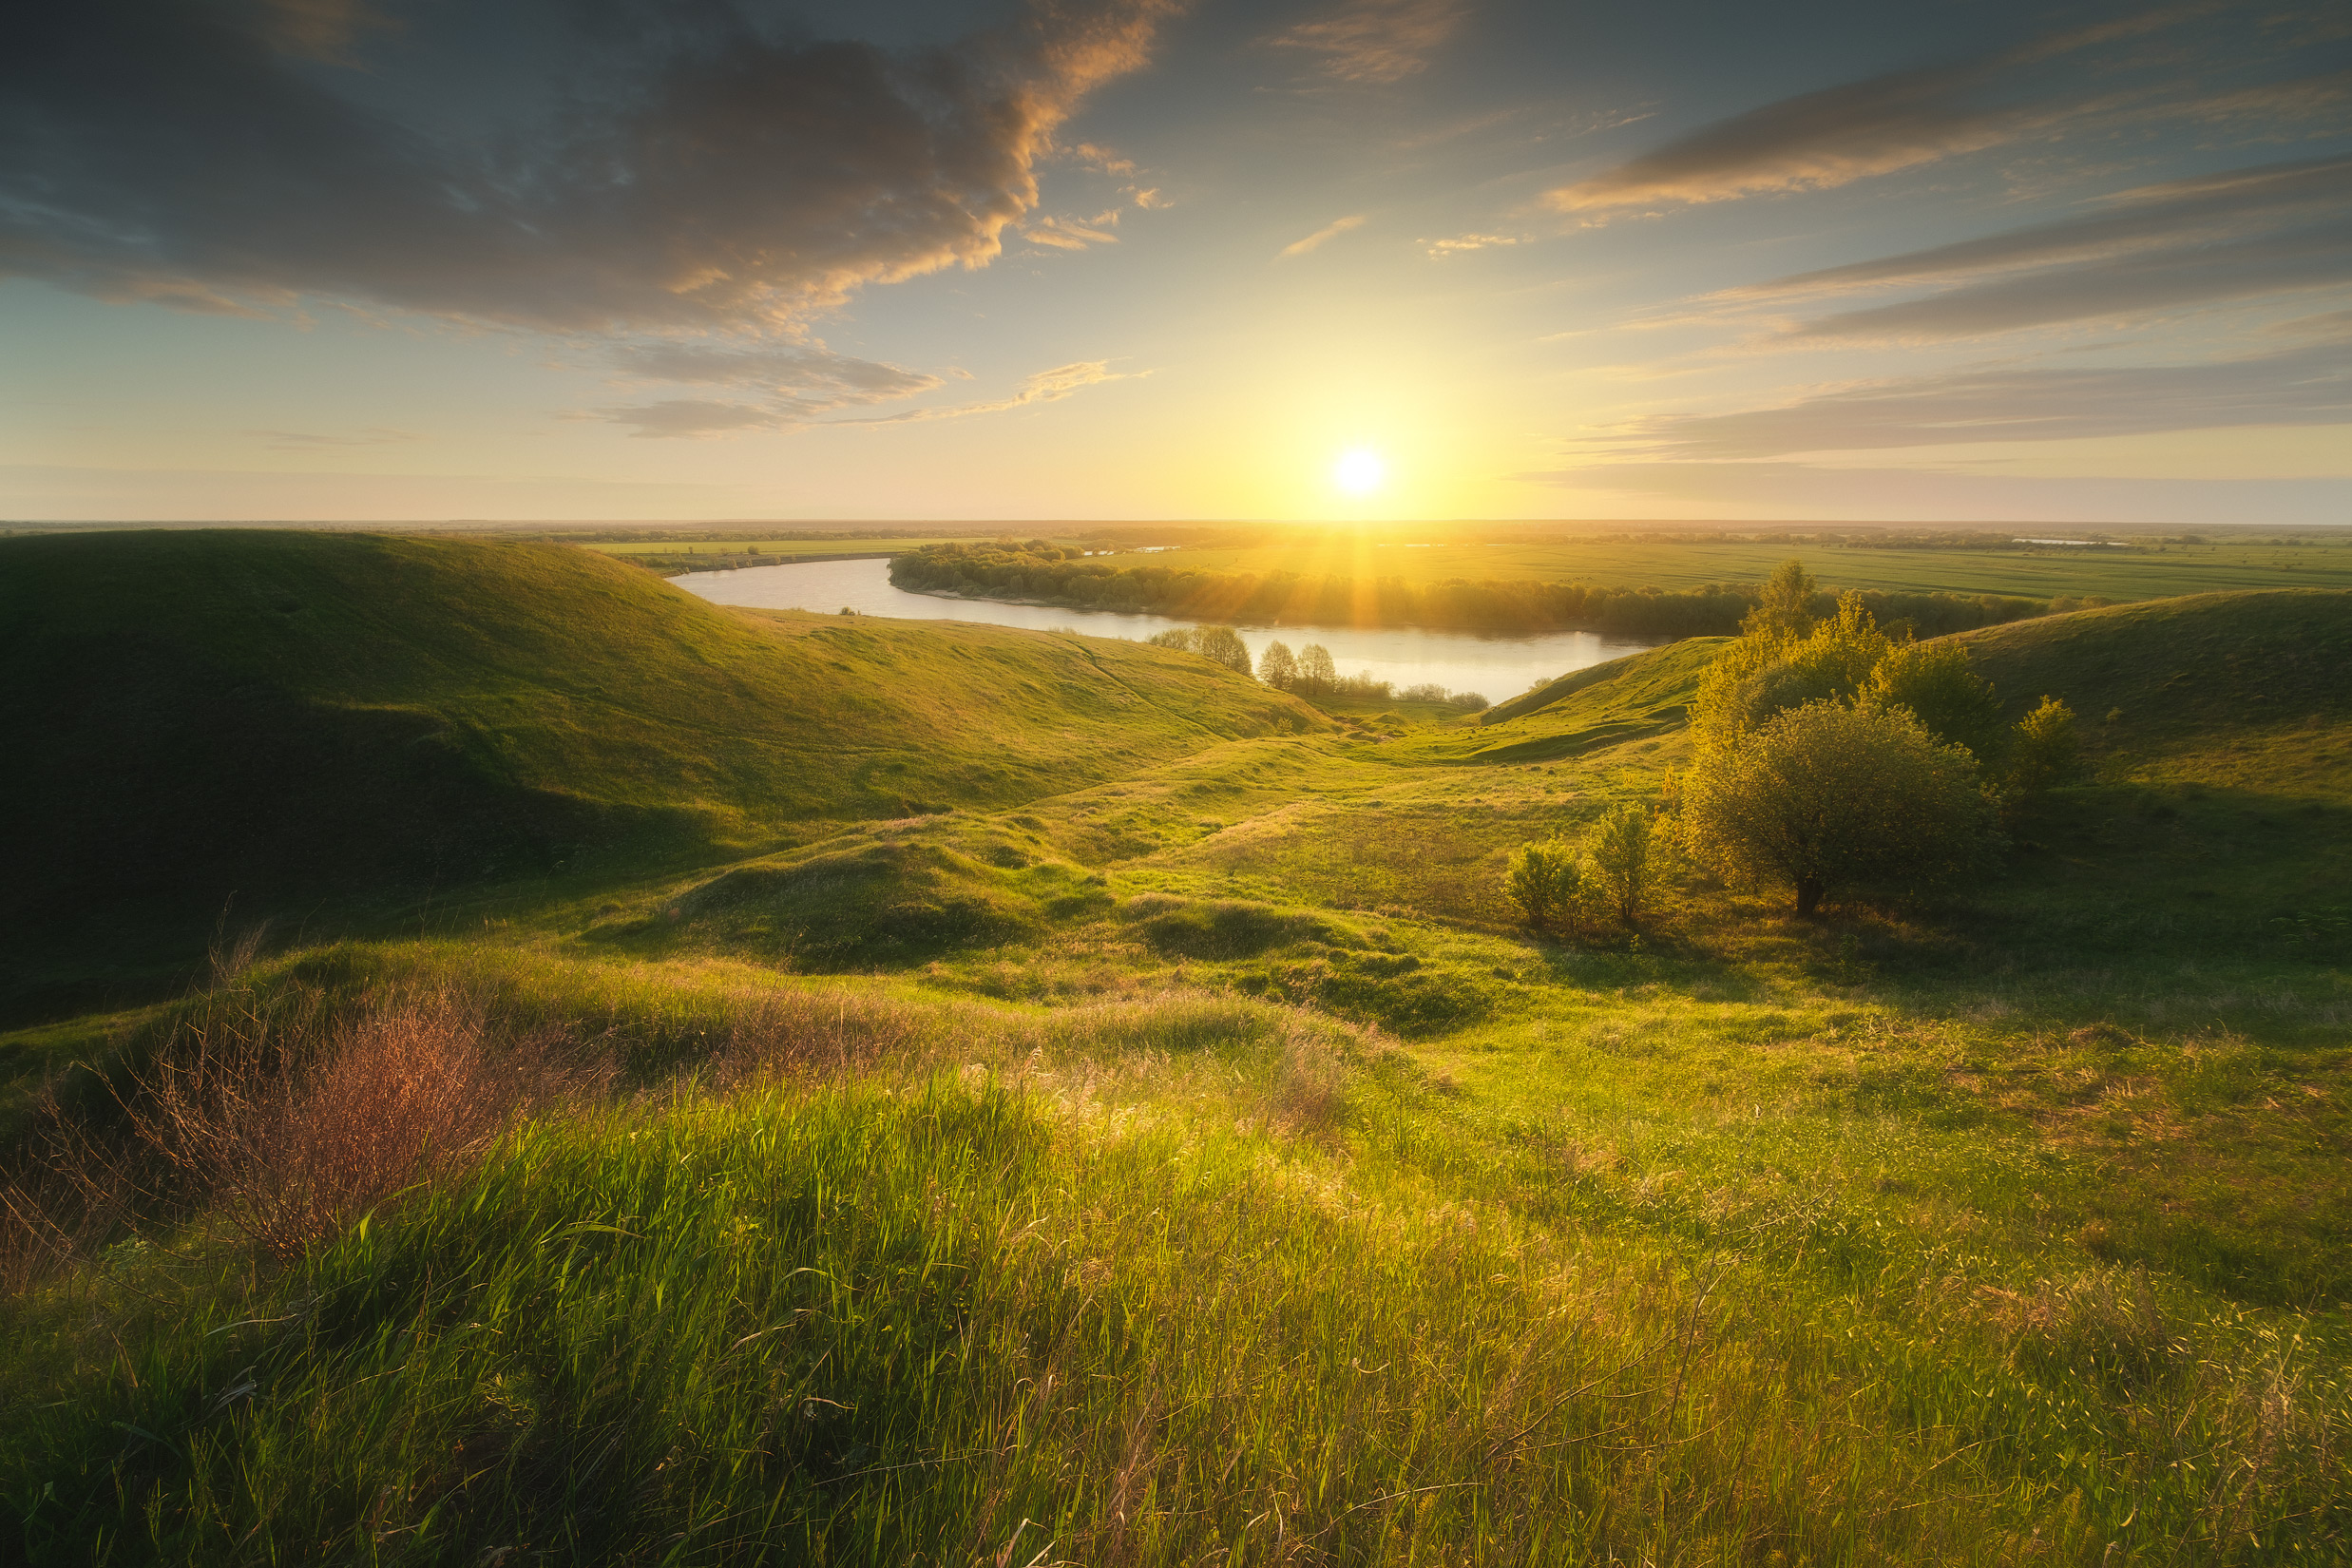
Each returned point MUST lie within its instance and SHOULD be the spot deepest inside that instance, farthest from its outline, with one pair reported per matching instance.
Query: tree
(1316, 673)
(1622, 846)
(1824, 796)
(1785, 609)
(1222, 645)
(1764, 674)
(1542, 882)
(1218, 644)
(2043, 750)
(1953, 702)
(1276, 667)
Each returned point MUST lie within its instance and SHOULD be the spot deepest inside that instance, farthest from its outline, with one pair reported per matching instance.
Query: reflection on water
(1496, 667)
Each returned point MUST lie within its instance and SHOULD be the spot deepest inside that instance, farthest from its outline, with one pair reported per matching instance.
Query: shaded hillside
(2144, 677)
(311, 721)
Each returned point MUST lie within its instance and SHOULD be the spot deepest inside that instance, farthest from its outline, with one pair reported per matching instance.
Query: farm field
(2158, 568)
(1118, 1117)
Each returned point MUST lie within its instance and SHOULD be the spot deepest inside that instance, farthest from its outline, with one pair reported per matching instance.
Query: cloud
(1377, 42)
(1329, 231)
(308, 441)
(797, 409)
(1904, 120)
(707, 175)
(2250, 232)
(2310, 384)
(1462, 243)
(1074, 234)
(792, 383)
(1821, 138)
(1043, 387)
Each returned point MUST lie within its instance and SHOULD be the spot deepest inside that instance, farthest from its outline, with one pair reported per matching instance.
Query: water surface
(1494, 667)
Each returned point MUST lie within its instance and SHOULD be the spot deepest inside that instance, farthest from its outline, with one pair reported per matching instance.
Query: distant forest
(1037, 570)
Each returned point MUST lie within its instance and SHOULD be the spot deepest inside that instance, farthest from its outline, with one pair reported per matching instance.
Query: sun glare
(1359, 472)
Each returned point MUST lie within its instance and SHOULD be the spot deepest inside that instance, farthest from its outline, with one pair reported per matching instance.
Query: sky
(1137, 259)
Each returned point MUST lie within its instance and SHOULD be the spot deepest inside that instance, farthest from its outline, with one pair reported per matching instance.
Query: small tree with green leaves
(1277, 667)
(1222, 645)
(1826, 796)
(1785, 609)
(1316, 673)
(1624, 848)
(1543, 883)
(2043, 751)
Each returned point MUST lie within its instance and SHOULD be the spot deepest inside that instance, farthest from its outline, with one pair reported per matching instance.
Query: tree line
(1040, 570)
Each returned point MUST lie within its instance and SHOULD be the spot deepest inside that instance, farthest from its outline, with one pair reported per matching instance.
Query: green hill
(2180, 670)
(321, 724)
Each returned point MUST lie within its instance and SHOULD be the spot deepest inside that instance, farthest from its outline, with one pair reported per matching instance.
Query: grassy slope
(2180, 569)
(2007, 1229)
(312, 720)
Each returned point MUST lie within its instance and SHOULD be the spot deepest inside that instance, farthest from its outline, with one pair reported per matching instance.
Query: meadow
(1165, 1146)
(2152, 564)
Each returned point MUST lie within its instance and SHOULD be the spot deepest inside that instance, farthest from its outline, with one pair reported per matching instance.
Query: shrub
(1541, 883)
(1950, 700)
(1623, 850)
(1824, 796)
(2043, 751)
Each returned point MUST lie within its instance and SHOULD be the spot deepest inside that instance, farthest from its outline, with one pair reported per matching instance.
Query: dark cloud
(726, 178)
(2235, 235)
(2306, 385)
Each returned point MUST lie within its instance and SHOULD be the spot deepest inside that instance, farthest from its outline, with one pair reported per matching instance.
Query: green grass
(1192, 1162)
(2158, 568)
(328, 728)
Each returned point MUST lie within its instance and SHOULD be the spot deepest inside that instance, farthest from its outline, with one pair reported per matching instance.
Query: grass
(346, 728)
(1192, 1162)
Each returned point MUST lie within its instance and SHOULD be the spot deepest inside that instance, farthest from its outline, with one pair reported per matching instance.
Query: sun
(1358, 472)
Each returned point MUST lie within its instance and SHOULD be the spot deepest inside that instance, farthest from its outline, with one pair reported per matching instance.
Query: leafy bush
(1624, 854)
(2043, 750)
(1825, 796)
(1933, 681)
(1541, 884)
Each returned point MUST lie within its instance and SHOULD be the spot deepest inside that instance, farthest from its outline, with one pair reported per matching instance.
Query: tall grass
(877, 1279)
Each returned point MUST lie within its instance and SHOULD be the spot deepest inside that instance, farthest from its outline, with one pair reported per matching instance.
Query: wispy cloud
(1074, 234)
(1044, 387)
(2310, 384)
(1329, 231)
(781, 385)
(1377, 42)
(1462, 244)
(312, 441)
(1904, 120)
(1821, 138)
(725, 417)
(2273, 229)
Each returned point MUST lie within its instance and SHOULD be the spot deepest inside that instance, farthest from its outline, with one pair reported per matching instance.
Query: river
(1494, 667)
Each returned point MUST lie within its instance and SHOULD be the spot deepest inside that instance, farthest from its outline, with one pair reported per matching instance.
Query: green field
(1132, 1128)
(2158, 566)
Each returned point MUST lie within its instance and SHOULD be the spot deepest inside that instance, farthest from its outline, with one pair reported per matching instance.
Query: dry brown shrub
(286, 1127)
